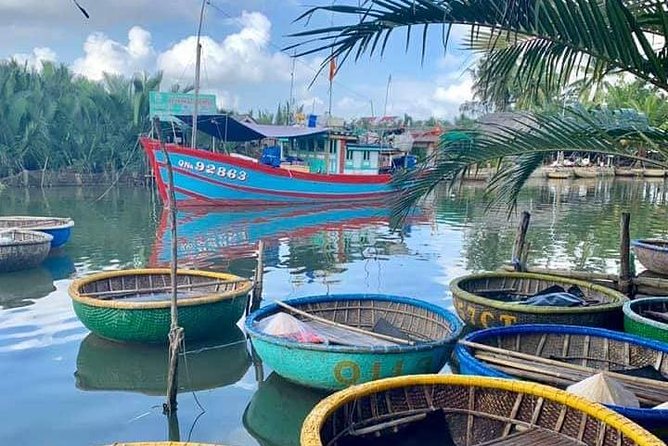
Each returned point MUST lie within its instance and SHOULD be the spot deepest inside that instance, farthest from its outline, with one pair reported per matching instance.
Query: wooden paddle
(343, 326)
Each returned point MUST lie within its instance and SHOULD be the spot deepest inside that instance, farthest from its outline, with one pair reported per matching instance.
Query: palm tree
(530, 46)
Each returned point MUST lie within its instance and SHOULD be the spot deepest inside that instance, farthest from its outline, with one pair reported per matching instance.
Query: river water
(63, 386)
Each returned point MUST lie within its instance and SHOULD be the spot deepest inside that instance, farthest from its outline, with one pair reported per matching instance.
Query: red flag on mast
(332, 68)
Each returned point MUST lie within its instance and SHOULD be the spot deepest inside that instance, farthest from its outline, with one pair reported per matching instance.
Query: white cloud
(244, 57)
(104, 55)
(36, 57)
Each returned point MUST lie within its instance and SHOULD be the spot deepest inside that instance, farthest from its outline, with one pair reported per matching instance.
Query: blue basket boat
(59, 228)
(595, 348)
(432, 330)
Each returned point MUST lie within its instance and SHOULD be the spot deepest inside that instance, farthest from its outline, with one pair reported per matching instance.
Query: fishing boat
(134, 305)
(338, 170)
(563, 355)
(22, 249)
(465, 411)
(482, 301)
(647, 317)
(271, 427)
(559, 174)
(654, 173)
(653, 254)
(352, 348)
(59, 228)
(585, 172)
(104, 365)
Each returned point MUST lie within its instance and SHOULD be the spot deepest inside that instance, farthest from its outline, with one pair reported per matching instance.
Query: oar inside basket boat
(346, 349)
(475, 299)
(134, 305)
(561, 355)
(464, 411)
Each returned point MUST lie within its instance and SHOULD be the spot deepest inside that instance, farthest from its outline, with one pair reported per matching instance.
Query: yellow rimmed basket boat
(479, 311)
(134, 305)
(466, 411)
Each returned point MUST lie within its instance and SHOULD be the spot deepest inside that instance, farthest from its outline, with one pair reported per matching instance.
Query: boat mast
(193, 139)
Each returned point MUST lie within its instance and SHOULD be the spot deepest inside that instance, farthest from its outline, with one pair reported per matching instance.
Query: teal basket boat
(432, 330)
(470, 297)
(638, 322)
(134, 305)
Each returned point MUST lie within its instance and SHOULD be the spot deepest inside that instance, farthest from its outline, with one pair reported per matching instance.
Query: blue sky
(242, 63)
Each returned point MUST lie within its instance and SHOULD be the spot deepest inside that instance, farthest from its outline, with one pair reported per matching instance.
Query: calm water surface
(63, 386)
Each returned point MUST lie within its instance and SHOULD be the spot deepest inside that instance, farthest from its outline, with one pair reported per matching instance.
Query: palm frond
(564, 31)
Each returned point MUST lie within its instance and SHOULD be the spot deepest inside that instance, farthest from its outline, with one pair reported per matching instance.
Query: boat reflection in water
(21, 288)
(112, 366)
(277, 410)
(208, 236)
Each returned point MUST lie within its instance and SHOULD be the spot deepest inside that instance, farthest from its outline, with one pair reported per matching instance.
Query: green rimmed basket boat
(433, 330)
(471, 411)
(635, 322)
(483, 312)
(134, 305)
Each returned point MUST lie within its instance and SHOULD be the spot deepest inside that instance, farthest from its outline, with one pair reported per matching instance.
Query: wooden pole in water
(625, 253)
(256, 296)
(175, 332)
(519, 253)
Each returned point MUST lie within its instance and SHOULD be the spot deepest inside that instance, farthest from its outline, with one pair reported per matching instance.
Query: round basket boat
(134, 305)
(483, 312)
(593, 348)
(637, 323)
(432, 330)
(57, 227)
(163, 443)
(110, 366)
(653, 254)
(22, 249)
(466, 411)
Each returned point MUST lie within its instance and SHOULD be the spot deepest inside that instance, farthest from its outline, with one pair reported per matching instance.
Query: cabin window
(332, 147)
(349, 155)
(311, 145)
(367, 155)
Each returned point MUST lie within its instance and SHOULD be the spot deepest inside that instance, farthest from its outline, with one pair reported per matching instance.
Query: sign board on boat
(165, 104)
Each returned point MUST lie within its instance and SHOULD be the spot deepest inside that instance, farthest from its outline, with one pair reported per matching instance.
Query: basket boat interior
(157, 287)
(416, 323)
(657, 305)
(29, 222)
(445, 415)
(18, 236)
(521, 286)
(596, 352)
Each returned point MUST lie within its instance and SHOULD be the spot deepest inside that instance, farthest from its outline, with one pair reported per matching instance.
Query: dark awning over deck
(226, 128)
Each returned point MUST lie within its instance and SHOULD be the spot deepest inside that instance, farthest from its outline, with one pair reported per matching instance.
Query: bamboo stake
(520, 240)
(591, 371)
(175, 332)
(115, 293)
(343, 326)
(256, 297)
(625, 254)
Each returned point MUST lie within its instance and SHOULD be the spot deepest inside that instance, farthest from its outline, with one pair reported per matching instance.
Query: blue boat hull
(60, 236)
(207, 178)
(653, 419)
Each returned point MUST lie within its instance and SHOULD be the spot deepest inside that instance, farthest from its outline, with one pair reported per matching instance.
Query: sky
(242, 58)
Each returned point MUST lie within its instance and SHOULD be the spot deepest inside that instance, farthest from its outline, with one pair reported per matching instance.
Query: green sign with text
(165, 105)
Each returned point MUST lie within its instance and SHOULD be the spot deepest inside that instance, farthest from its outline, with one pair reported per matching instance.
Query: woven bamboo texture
(220, 301)
(34, 223)
(483, 312)
(635, 322)
(653, 254)
(22, 249)
(475, 409)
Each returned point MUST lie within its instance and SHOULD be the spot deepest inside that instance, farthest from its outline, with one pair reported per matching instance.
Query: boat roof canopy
(227, 128)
